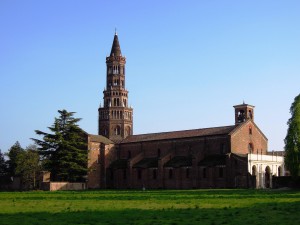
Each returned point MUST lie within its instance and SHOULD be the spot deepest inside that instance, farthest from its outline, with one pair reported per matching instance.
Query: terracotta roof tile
(100, 139)
(179, 134)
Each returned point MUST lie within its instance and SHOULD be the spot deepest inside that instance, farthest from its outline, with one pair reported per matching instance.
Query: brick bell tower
(115, 117)
(243, 112)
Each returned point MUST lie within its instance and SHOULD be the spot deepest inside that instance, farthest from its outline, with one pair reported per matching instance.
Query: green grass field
(151, 207)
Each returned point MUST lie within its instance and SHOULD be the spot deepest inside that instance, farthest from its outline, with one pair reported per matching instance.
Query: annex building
(217, 157)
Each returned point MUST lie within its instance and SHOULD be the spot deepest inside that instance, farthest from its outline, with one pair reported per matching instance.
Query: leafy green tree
(12, 155)
(3, 165)
(292, 140)
(28, 167)
(64, 151)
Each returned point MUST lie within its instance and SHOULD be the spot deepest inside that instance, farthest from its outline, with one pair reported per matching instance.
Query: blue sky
(188, 63)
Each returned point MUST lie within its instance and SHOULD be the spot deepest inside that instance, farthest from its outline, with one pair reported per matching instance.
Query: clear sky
(188, 63)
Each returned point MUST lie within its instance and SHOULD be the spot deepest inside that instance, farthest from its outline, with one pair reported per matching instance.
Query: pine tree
(292, 140)
(64, 151)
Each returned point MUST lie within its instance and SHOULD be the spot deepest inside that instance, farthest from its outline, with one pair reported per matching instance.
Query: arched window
(267, 177)
(204, 172)
(115, 69)
(187, 173)
(254, 170)
(117, 130)
(250, 114)
(222, 148)
(139, 175)
(170, 173)
(127, 131)
(129, 155)
(250, 130)
(111, 174)
(154, 175)
(221, 172)
(279, 171)
(241, 116)
(250, 148)
(124, 174)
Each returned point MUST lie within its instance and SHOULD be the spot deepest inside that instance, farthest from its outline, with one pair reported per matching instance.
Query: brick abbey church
(216, 157)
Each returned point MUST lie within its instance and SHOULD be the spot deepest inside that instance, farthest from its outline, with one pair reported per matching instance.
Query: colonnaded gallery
(215, 157)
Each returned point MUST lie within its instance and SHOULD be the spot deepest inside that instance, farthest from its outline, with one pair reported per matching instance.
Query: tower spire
(115, 117)
(116, 49)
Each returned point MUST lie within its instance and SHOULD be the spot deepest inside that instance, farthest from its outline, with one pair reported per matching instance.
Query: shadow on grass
(262, 214)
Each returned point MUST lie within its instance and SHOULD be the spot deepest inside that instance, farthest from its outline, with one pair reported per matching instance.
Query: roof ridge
(201, 132)
(165, 132)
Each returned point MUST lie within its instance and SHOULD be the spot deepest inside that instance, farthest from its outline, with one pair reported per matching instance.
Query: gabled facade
(216, 157)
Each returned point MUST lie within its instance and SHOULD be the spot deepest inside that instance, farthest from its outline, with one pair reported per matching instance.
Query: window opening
(124, 174)
(221, 172)
(250, 148)
(241, 116)
(129, 154)
(187, 173)
(154, 174)
(204, 173)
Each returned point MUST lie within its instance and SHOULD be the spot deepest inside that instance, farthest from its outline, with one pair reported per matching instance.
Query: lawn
(171, 207)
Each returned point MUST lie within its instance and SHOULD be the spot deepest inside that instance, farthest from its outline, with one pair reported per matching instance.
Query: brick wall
(233, 174)
(241, 139)
(93, 165)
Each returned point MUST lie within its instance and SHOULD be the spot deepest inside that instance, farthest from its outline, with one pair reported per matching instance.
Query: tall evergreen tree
(64, 151)
(12, 155)
(292, 140)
